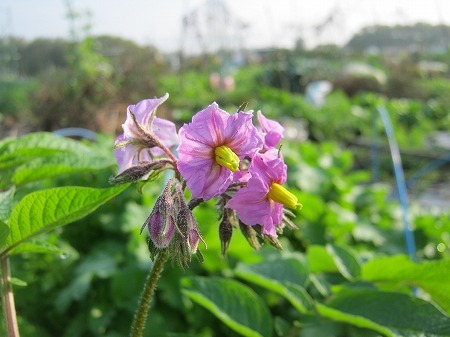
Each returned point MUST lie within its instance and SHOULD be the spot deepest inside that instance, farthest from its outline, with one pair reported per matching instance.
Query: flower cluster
(220, 155)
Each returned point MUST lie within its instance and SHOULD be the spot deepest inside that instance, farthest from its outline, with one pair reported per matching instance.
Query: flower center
(281, 195)
(227, 158)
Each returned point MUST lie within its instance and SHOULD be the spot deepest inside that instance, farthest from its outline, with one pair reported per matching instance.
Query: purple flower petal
(129, 155)
(269, 166)
(208, 125)
(251, 203)
(209, 129)
(272, 130)
(137, 150)
(143, 112)
(242, 136)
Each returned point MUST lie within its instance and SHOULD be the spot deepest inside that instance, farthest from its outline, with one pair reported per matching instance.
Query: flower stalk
(140, 316)
(9, 309)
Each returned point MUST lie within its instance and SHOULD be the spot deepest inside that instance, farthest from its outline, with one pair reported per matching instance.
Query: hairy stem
(9, 308)
(137, 328)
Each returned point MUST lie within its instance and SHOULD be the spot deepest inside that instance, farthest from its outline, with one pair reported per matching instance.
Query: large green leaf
(390, 313)
(285, 275)
(59, 163)
(41, 140)
(232, 302)
(320, 260)
(432, 276)
(346, 261)
(36, 246)
(41, 144)
(6, 201)
(334, 258)
(44, 210)
(4, 232)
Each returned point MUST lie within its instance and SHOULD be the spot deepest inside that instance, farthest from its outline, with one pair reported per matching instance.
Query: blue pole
(400, 179)
(76, 132)
(374, 151)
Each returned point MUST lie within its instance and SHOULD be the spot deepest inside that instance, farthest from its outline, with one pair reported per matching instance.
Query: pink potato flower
(271, 130)
(211, 148)
(135, 145)
(261, 201)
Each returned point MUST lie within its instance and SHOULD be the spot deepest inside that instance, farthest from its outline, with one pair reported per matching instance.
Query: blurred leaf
(40, 144)
(76, 290)
(36, 246)
(100, 263)
(432, 276)
(126, 286)
(60, 163)
(41, 211)
(320, 260)
(276, 269)
(18, 282)
(321, 283)
(6, 201)
(233, 303)
(333, 258)
(285, 275)
(346, 261)
(390, 313)
(4, 232)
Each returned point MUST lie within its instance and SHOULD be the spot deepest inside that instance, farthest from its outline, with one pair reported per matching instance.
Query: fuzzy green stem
(137, 328)
(9, 308)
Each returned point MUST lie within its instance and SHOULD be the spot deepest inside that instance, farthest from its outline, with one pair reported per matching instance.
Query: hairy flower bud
(141, 170)
(250, 234)
(173, 226)
(188, 229)
(160, 223)
(226, 229)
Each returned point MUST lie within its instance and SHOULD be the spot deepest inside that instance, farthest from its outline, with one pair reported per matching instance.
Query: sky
(256, 23)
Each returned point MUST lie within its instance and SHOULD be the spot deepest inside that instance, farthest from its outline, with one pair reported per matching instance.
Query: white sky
(270, 22)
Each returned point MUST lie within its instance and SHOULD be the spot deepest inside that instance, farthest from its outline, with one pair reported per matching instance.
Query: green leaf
(41, 211)
(345, 260)
(285, 275)
(4, 232)
(6, 201)
(390, 313)
(278, 269)
(432, 276)
(232, 302)
(18, 282)
(36, 246)
(320, 260)
(39, 144)
(58, 164)
(334, 258)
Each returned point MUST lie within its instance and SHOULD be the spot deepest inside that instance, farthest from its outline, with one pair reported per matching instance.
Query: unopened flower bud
(226, 229)
(250, 234)
(141, 170)
(189, 231)
(187, 236)
(160, 223)
(271, 239)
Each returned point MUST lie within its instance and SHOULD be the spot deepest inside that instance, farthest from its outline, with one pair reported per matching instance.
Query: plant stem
(137, 328)
(9, 309)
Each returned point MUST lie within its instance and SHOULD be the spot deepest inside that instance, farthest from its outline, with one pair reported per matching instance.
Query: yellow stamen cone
(227, 158)
(281, 195)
